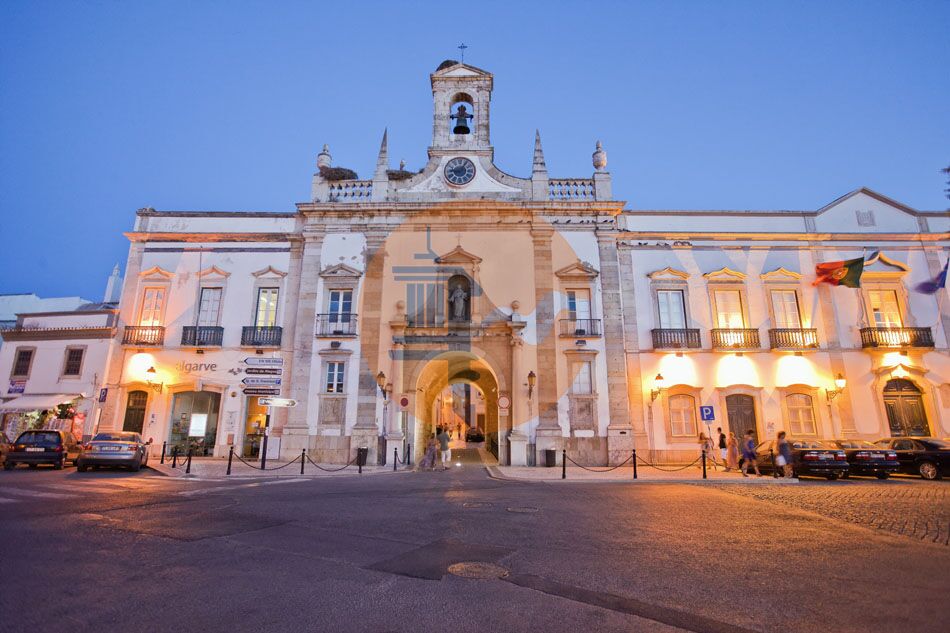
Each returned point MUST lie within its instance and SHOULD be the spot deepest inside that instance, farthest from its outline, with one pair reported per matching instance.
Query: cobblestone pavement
(904, 506)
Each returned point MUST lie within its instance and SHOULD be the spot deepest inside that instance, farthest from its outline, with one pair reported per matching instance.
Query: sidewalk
(624, 474)
(217, 468)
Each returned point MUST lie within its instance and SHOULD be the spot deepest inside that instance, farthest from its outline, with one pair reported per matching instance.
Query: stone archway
(449, 368)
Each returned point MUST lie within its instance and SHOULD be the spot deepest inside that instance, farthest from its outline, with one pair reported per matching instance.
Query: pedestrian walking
(707, 445)
(431, 454)
(748, 454)
(783, 454)
(444, 439)
(732, 452)
(723, 447)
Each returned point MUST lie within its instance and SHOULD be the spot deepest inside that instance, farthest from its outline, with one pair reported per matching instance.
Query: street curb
(495, 473)
(167, 471)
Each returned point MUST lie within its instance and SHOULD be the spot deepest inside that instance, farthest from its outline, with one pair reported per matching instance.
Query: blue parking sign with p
(708, 414)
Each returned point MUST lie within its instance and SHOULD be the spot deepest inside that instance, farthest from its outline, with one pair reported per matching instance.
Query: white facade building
(557, 307)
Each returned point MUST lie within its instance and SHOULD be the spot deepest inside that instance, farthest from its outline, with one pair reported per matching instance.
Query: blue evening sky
(110, 106)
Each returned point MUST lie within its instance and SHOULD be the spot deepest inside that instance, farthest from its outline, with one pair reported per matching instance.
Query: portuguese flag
(841, 273)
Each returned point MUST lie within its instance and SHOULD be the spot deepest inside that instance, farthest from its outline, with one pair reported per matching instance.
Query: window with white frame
(266, 313)
(785, 309)
(153, 305)
(22, 362)
(583, 379)
(340, 306)
(578, 304)
(209, 306)
(682, 415)
(72, 365)
(334, 381)
(801, 414)
(885, 309)
(729, 309)
(671, 308)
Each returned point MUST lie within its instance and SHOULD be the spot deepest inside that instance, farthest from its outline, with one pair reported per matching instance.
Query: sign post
(270, 403)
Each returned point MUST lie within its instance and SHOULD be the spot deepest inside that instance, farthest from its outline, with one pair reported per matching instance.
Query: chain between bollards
(162, 460)
(704, 463)
(188, 467)
(563, 463)
(303, 458)
(634, 463)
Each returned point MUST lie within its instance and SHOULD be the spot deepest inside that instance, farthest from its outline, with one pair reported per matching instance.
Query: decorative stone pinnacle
(538, 164)
(599, 157)
(382, 161)
(323, 158)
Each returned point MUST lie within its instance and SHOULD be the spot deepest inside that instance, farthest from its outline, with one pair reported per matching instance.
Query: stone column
(518, 438)
(395, 439)
(305, 262)
(619, 429)
(631, 337)
(366, 431)
(548, 434)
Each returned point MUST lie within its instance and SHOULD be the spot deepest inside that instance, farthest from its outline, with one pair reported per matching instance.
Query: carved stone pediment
(883, 267)
(668, 274)
(213, 273)
(156, 274)
(458, 255)
(577, 271)
(340, 271)
(270, 272)
(725, 274)
(781, 275)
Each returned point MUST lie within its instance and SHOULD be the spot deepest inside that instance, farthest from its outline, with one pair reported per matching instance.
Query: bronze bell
(461, 121)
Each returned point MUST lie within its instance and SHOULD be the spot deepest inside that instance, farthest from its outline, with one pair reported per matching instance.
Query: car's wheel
(58, 465)
(845, 475)
(831, 476)
(32, 465)
(136, 468)
(928, 470)
(882, 475)
(8, 465)
(82, 467)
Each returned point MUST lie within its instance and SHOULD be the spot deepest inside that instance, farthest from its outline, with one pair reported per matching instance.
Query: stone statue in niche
(459, 300)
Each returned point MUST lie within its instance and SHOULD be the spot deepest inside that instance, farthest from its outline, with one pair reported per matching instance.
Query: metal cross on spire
(462, 48)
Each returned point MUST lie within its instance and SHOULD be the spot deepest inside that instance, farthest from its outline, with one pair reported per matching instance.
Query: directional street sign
(276, 402)
(261, 361)
(708, 414)
(262, 391)
(272, 371)
(261, 381)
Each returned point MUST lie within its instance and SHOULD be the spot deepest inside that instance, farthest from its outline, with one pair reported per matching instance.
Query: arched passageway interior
(457, 390)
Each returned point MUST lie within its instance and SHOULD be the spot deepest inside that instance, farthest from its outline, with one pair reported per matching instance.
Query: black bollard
(230, 458)
(175, 457)
(634, 463)
(395, 458)
(408, 454)
(303, 458)
(704, 463)
(563, 463)
(162, 460)
(188, 467)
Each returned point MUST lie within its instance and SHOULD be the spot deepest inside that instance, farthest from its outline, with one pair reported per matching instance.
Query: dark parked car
(114, 448)
(43, 447)
(474, 435)
(865, 458)
(924, 456)
(817, 458)
(4, 447)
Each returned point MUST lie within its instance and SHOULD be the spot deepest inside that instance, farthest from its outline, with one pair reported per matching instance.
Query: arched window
(682, 415)
(462, 113)
(801, 414)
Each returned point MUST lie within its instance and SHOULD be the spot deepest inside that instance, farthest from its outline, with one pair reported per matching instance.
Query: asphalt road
(123, 552)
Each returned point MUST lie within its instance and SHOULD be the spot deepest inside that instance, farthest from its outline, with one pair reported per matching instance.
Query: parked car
(43, 447)
(474, 435)
(4, 447)
(817, 458)
(865, 458)
(924, 456)
(114, 448)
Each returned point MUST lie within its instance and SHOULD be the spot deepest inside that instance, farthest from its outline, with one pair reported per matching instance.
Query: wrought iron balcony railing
(202, 335)
(261, 336)
(793, 338)
(581, 327)
(153, 335)
(897, 337)
(676, 338)
(735, 338)
(336, 324)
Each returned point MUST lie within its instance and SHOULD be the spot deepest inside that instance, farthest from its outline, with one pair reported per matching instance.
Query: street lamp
(840, 384)
(150, 373)
(659, 382)
(383, 387)
(532, 381)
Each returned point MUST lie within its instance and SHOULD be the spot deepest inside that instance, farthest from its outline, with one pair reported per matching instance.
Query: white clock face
(459, 171)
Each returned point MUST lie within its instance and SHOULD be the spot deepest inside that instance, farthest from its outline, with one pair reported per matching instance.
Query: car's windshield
(38, 437)
(116, 437)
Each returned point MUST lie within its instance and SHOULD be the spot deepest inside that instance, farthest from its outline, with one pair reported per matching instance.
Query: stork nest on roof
(337, 173)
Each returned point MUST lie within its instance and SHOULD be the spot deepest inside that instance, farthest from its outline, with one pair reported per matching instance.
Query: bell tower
(461, 98)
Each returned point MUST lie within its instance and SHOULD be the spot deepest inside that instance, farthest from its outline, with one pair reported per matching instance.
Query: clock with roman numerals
(459, 171)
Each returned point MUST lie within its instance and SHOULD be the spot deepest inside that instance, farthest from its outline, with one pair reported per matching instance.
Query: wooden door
(135, 411)
(740, 410)
(905, 409)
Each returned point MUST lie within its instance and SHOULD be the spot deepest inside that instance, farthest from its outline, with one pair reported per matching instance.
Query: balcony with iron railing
(896, 337)
(676, 338)
(793, 338)
(261, 336)
(149, 335)
(581, 328)
(336, 324)
(735, 338)
(202, 336)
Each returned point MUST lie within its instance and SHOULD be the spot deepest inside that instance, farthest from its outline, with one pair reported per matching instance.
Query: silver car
(114, 448)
